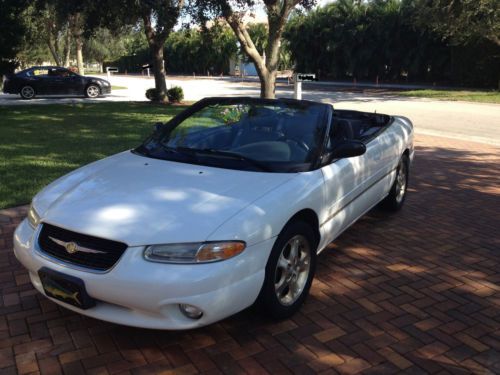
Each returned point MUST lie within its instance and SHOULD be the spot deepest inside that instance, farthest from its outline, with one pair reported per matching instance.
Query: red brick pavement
(417, 292)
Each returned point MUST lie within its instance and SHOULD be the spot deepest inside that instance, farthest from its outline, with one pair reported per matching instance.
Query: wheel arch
(309, 217)
(88, 84)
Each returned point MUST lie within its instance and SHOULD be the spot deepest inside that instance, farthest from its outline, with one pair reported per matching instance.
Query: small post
(297, 88)
(148, 72)
(110, 69)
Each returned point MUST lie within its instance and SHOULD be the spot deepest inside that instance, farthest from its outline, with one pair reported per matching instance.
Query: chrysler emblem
(73, 247)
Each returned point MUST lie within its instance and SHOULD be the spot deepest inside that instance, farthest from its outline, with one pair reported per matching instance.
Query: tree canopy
(235, 13)
(158, 18)
(388, 40)
(436, 41)
(12, 31)
(461, 21)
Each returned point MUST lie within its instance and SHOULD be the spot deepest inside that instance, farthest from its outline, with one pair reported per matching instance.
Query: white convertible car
(226, 205)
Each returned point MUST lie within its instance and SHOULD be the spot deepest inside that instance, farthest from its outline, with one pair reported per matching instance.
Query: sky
(260, 14)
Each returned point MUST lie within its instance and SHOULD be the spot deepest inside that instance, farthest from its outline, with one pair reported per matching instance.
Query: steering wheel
(300, 143)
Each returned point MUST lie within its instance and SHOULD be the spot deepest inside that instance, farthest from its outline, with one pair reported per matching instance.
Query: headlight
(33, 217)
(194, 252)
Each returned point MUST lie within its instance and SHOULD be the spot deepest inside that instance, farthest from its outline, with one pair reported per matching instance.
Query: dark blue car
(54, 80)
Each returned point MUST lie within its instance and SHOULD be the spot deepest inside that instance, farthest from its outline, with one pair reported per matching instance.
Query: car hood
(141, 201)
(96, 79)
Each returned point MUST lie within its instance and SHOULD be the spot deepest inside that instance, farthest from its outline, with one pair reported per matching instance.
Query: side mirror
(348, 149)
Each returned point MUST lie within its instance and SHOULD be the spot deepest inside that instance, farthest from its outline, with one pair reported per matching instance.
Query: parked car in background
(225, 205)
(53, 80)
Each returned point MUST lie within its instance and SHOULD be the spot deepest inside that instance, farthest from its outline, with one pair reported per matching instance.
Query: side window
(38, 73)
(62, 73)
(54, 73)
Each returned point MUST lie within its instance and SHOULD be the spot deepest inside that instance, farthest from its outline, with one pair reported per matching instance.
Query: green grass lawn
(119, 87)
(470, 96)
(42, 142)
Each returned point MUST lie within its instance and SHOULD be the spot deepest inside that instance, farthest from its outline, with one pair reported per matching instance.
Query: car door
(60, 84)
(50, 83)
(383, 162)
(350, 185)
(38, 78)
(73, 83)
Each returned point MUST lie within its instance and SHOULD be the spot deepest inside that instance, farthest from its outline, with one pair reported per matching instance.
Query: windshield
(247, 134)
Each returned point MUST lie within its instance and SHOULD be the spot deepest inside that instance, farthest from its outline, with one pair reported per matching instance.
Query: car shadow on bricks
(427, 276)
(417, 291)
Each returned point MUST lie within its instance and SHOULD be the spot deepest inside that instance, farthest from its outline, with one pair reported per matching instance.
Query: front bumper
(105, 90)
(144, 294)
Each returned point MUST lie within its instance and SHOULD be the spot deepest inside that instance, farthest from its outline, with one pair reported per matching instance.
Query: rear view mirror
(348, 149)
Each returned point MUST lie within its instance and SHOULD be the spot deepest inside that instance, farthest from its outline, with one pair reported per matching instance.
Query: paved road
(462, 120)
(415, 292)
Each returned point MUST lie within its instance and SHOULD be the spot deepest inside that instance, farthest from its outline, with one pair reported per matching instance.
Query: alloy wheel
(292, 270)
(27, 92)
(92, 91)
(401, 181)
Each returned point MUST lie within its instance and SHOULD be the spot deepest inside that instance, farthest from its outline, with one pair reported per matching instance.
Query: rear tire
(289, 271)
(27, 92)
(397, 195)
(92, 91)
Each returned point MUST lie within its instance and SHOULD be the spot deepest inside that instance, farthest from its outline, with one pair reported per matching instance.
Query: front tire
(397, 195)
(27, 92)
(92, 91)
(289, 271)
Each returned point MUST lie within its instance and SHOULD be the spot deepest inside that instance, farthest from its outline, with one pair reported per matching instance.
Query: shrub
(152, 94)
(175, 94)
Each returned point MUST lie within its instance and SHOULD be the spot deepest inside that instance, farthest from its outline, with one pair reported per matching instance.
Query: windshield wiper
(232, 155)
(185, 151)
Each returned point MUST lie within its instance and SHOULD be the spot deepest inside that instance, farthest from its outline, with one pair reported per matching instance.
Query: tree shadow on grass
(41, 143)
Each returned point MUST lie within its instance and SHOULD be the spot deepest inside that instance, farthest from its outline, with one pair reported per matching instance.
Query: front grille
(98, 261)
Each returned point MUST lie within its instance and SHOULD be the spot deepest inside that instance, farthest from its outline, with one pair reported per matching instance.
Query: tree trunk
(54, 53)
(267, 65)
(79, 54)
(495, 39)
(76, 29)
(159, 71)
(52, 43)
(268, 85)
(266, 79)
(67, 47)
(156, 42)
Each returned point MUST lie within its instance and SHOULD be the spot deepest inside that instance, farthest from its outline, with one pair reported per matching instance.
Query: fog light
(190, 311)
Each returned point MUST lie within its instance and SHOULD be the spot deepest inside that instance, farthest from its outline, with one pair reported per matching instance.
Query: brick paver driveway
(418, 291)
